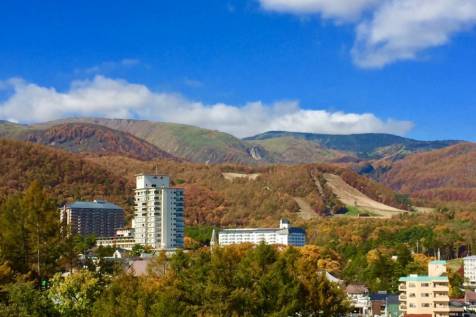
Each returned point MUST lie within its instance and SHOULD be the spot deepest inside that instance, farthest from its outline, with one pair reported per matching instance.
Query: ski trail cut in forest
(305, 210)
(350, 196)
(232, 176)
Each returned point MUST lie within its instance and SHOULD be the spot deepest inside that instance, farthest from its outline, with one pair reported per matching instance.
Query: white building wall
(159, 214)
(470, 269)
(280, 235)
(149, 181)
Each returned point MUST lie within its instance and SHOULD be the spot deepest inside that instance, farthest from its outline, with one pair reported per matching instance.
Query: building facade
(470, 269)
(99, 218)
(159, 213)
(426, 295)
(284, 235)
(126, 243)
(360, 300)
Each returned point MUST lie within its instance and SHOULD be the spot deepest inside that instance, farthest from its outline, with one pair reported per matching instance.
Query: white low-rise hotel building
(284, 235)
(470, 269)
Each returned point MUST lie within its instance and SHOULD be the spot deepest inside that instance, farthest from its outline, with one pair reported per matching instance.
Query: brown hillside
(210, 197)
(92, 138)
(213, 199)
(63, 174)
(448, 174)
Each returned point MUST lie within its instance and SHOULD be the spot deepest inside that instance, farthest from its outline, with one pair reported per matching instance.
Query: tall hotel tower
(159, 213)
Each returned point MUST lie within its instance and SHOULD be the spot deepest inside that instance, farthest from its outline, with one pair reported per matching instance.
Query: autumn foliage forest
(360, 250)
(445, 176)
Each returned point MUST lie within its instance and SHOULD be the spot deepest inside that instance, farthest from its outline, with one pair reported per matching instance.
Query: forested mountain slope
(364, 146)
(211, 147)
(183, 141)
(92, 138)
(65, 175)
(448, 174)
(262, 200)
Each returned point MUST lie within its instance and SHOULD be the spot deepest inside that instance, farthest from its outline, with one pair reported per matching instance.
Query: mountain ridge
(364, 145)
(273, 147)
(447, 174)
(87, 138)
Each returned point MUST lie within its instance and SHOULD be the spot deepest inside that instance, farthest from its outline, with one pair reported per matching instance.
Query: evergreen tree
(30, 232)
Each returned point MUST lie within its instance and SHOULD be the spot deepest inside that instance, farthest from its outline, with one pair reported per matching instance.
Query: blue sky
(245, 66)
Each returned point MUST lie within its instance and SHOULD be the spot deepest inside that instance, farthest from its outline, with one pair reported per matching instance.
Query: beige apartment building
(426, 295)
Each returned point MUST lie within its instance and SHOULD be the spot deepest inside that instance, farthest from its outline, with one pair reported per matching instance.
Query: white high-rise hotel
(159, 213)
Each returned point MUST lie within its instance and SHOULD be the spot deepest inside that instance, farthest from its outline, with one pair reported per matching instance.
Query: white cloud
(337, 9)
(114, 98)
(193, 83)
(107, 67)
(401, 29)
(389, 30)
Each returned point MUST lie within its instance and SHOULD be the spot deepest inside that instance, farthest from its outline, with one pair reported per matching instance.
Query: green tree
(30, 232)
(322, 297)
(456, 284)
(24, 300)
(75, 294)
(44, 228)
(138, 249)
(124, 296)
(14, 235)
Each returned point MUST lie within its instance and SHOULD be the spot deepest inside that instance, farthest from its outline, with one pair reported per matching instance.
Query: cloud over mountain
(389, 30)
(114, 98)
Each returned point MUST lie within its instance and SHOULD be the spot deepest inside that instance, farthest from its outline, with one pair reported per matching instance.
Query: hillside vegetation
(183, 141)
(364, 146)
(443, 175)
(293, 150)
(9, 128)
(208, 146)
(91, 138)
(64, 175)
(212, 199)
(84, 138)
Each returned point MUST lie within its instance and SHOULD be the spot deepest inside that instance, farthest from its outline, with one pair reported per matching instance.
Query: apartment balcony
(402, 287)
(441, 295)
(443, 287)
(445, 310)
(403, 307)
(402, 297)
(442, 305)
